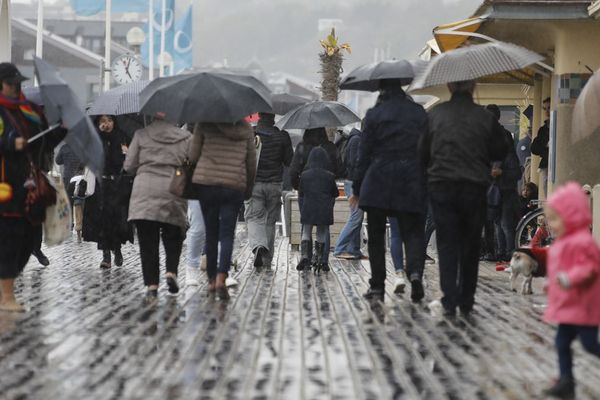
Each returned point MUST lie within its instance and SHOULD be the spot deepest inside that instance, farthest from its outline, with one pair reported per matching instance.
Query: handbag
(181, 181)
(40, 195)
(6, 190)
(57, 226)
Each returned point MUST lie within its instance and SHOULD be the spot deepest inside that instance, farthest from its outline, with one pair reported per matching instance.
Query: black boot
(118, 258)
(41, 257)
(318, 256)
(564, 388)
(260, 257)
(105, 259)
(416, 292)
(305, 255)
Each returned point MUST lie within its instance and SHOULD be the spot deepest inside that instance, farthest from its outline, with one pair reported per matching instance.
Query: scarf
(23, 105)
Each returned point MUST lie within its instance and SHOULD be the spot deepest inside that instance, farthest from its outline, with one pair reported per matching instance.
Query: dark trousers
(220, 207)
(17, 242)
(565, 335)
(489, 239)
(429, 226)
(459, 210)
(507, 223)
(411, 227)
(149, 234)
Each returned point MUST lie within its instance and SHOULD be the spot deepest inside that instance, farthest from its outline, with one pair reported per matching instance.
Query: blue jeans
(220, 207)
(349, 239)
(196, 234)
(565, 335)
(396, 245)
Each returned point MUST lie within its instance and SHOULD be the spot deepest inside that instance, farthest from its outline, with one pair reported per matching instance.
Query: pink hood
(573, 206)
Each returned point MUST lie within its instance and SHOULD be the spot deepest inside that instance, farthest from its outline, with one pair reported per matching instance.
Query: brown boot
(221, 287)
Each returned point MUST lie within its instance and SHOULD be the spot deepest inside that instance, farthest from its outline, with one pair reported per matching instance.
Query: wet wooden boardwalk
(283, 335)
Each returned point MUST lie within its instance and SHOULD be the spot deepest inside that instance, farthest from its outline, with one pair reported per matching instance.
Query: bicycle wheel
(528, 226)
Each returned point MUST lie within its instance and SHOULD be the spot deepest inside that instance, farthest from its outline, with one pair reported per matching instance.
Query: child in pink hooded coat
(573, 281)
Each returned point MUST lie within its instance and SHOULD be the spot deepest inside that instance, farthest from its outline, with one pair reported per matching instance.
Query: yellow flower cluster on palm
(331, 46)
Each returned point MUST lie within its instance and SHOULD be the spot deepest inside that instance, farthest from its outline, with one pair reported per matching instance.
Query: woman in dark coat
(390, 182)
(105, 212)
(318, 192)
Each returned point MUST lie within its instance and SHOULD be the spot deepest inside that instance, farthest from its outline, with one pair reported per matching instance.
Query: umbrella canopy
(207, 96)
(120, 100)
(33, 94)
(586, 119)
(472, 62)
(285, 102)
(61, 104)
(368, 77)
(318, 114)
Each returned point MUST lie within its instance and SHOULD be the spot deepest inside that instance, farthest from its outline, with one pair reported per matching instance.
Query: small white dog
(531, 263)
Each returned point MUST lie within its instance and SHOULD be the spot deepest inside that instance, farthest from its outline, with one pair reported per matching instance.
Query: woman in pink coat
(573, 281)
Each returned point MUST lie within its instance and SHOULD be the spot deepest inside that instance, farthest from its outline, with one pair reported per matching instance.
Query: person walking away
(19, 235)
(103, 218)
(540, 148)
(390, 183)
(223, 179)
(310, 139)
(154, 154)
(318, 191)
(506, 174)
(457, 151)
(264, 207)
(573, 281)
(76, 190)
(349, 241)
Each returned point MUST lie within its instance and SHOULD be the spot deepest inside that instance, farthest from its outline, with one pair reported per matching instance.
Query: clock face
(127, 69)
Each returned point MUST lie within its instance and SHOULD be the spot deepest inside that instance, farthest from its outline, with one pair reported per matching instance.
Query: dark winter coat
(300, 160)
(389, 175)
(511, 169)
(13, 124)
(524, 149)
(276, 152)
(463, 140)
(70, 162)
(351, 157)
(317, 190)
(105, 212)
(539, 146)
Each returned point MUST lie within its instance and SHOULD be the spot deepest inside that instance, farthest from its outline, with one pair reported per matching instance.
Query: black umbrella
(318, 114)
(285, 102)
(207, 96)
(62, 105)
(368, 77)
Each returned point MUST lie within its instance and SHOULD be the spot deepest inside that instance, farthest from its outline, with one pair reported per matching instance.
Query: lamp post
(135, 38)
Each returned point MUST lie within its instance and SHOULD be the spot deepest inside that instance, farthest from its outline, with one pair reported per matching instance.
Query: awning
(453, 35)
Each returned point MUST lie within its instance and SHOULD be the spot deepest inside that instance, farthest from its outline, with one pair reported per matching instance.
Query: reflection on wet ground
(283, 335)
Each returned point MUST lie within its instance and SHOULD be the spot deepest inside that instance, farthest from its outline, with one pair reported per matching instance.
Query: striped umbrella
(472, 62)
(120, 100)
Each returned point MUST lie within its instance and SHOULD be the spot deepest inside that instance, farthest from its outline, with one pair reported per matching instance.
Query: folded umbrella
(119, 101)
(586, 119)
(368, 77)
(62, 105)
(472, 62)
(285, 102)
(318, 114)
(207, 96)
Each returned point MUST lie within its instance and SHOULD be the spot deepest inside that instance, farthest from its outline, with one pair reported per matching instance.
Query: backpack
(342, 146)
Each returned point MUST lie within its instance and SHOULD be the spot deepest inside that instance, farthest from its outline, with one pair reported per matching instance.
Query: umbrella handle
(42, 133)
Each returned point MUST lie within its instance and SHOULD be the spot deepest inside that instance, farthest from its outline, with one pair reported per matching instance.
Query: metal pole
(107, 45)
(151, 41)
(5, 31)
(163, 25)
(39, 40)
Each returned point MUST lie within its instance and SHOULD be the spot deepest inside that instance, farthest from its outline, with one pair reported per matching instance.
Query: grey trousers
(262, 212)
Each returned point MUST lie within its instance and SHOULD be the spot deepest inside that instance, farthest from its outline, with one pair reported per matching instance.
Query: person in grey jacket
(154, 154)
(263, 208)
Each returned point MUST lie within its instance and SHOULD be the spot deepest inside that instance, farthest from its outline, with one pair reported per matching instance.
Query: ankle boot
(105, 259)
(305, 255)
(118, 258)
(318, 256)
(564, 388)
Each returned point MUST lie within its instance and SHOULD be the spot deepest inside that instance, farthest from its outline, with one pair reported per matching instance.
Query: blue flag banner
(92, 7)
(157, 26)
(182, 42)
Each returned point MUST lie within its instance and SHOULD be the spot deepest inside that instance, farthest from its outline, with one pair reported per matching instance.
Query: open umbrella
(32, 93)
(318, 114)
(207, 96)
(368, 77)
(472, 62)
(62, 105)
(285, 102)
(586, 118)
(120, 100)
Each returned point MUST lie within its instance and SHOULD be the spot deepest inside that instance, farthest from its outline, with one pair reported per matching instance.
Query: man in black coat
(458, 151)
(264, 207)
(540, 144)
(389, 182)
